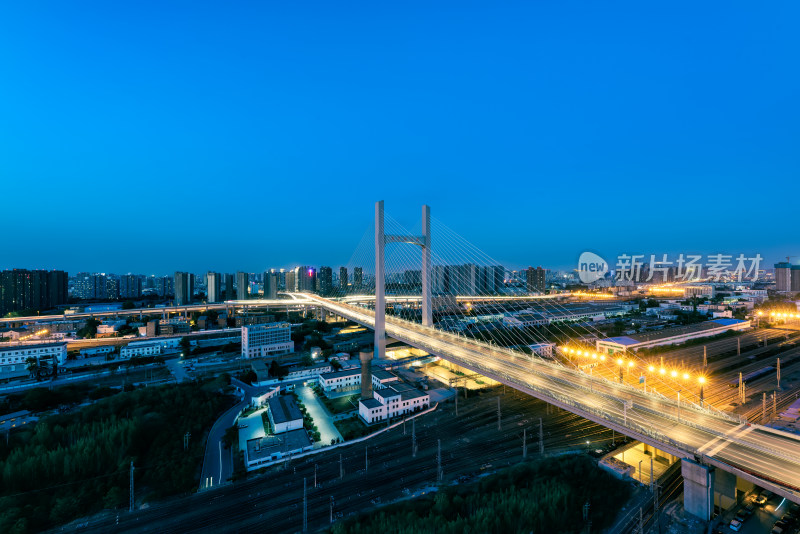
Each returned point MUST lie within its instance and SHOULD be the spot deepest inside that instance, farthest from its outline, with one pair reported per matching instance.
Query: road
(766, 457)
(322, 419)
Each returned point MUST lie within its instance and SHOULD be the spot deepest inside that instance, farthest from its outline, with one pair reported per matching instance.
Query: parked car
(735, 525)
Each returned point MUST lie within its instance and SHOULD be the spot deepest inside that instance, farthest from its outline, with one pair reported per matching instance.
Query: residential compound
(263, 340)
(21, 289)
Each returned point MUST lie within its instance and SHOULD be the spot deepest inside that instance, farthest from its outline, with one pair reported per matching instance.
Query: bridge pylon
(381, 239)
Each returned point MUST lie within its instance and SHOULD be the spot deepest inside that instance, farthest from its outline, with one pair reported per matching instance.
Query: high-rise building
(536, 280)
(230, 292)
(21, 289)
(291, 281)
(783, 276)
(358, 278)
(214, 287)
(306, 279)
(184, 288)
(343, 278)
(325, 280)
(242, 285)
(795, 277)
(130, 286)
(165, 286)
(112, 287)
(270, 285)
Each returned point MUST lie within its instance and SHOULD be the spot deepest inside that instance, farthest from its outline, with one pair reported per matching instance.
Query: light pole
(619, 363)
(702, 381)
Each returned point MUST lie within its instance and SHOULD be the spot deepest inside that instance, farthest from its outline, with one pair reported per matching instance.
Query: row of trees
(70, 465)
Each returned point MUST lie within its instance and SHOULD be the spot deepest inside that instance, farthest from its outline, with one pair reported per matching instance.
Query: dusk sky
(150, 137)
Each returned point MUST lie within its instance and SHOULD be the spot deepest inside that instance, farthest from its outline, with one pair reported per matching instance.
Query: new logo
(591, 267)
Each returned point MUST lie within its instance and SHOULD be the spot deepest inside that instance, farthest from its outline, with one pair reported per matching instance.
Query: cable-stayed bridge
(705, 439)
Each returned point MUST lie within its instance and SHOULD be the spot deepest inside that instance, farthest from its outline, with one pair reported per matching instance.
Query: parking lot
(762, 518)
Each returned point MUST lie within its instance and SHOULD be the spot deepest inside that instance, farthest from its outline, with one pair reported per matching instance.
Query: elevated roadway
(763, 456)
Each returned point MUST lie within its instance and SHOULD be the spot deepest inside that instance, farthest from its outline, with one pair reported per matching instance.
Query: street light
(620, 362)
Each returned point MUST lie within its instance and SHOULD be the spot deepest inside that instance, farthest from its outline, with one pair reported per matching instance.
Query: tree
(276, 370)
(128, 305)
(335, 364)
(90, 330)
(32, 365)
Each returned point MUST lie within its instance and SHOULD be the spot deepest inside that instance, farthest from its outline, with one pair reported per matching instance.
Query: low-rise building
(672, 336)
(141, 348)
(284, 414)
(262, 450)
(14, 357)
(381, 378)
(343, 380)
(96, 351)
(394, 400)
(263, 340)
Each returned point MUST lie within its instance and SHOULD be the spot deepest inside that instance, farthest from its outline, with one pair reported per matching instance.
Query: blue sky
(201, 136)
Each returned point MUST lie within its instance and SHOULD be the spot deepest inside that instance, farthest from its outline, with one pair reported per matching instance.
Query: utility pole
(641, 522)
(655, 508)
(705, 358)
(331, 509)
(366, 460)
(413, 438)
(186, 440)
(456, 400)
(541, 437)
(524, 443)
(439, 472)
(640, 471)
(651, 474)
(774, 404)
(305, 506)
(498, 414)
(315, 475)
(738, 346)
(341, 468)
(764, 407)
(130, 506)
(779, 373)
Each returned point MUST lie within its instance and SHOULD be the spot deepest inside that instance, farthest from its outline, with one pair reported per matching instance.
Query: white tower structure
(381, 239)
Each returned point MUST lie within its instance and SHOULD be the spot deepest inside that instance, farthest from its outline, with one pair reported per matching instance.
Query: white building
(346, 379)
(382, 378)
(97, 351)
(141, 348)
(284, 414)
(13, 356)
(672, 336)
(392, 401)
(269, 339)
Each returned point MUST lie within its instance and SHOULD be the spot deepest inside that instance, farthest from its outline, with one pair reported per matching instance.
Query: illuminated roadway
(764, 456)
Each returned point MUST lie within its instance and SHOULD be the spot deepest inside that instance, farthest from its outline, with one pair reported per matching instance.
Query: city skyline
(540, 140)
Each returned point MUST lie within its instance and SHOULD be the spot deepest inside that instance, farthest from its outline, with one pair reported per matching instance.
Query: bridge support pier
(698, 489)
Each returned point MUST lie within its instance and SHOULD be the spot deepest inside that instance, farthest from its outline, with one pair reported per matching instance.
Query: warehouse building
(672, 336)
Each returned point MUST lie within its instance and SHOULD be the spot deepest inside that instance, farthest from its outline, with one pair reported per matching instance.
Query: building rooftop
(15, 345)
(339, 374)
(291, 441)
(371, 403)
(382, 374)
(283, 409)
(646, 337)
